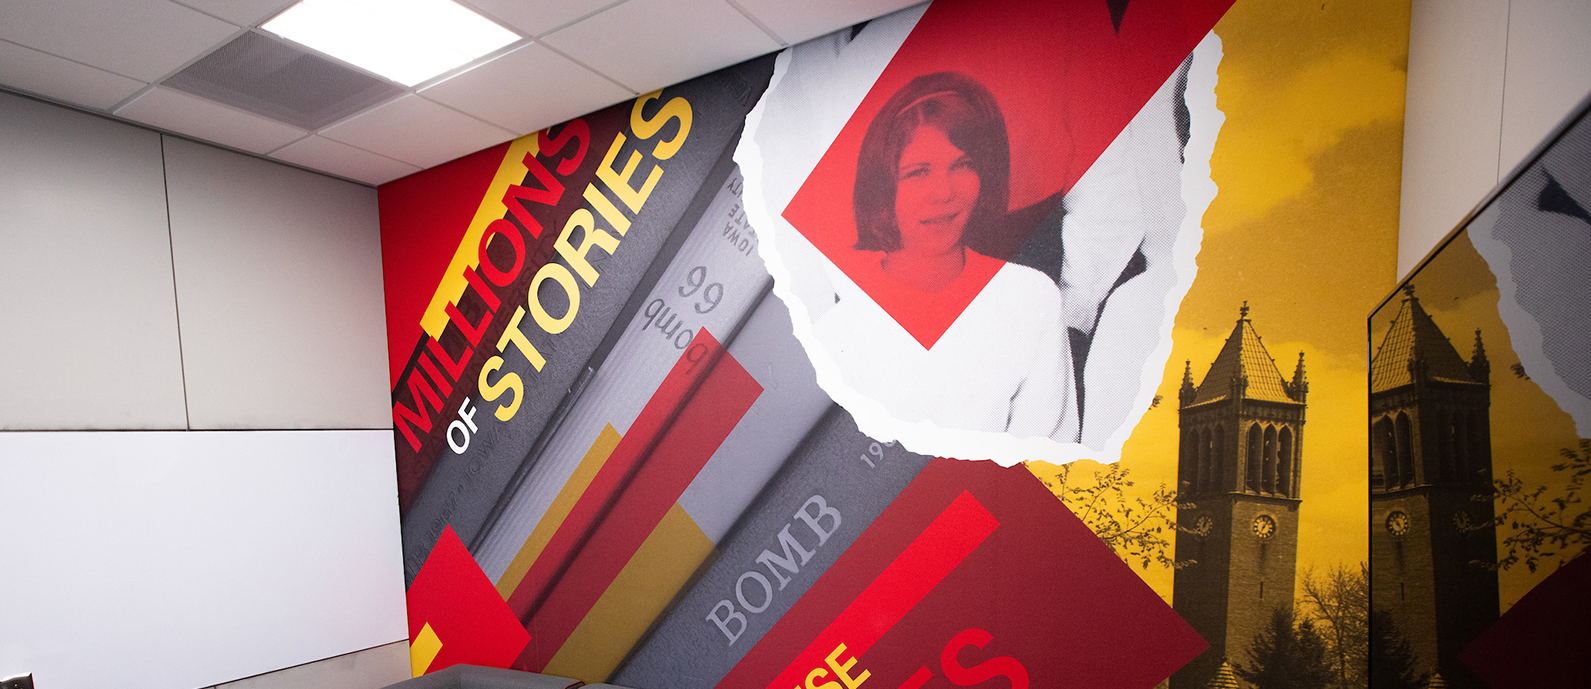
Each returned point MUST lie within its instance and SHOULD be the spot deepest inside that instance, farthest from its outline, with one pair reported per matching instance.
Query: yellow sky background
(1304, 228)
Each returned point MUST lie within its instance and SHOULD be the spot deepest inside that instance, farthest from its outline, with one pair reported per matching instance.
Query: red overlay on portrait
(974, 572)
(470, 620)
(1091, 81)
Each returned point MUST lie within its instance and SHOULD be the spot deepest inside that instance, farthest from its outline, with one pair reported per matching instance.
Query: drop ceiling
(112, 57)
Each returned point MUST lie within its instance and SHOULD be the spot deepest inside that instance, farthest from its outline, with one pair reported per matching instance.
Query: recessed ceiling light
(407, 41)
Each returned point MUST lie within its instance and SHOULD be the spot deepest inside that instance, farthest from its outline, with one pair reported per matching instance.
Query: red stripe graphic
(930, 557)
(1041, 597)
(677, 432)
(648, 425)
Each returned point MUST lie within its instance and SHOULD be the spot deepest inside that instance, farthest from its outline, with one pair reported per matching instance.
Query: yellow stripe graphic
(559, 510)
(660, 568)
(424, 649)
(511, 171)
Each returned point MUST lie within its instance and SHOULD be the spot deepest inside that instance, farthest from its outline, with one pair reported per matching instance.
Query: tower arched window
(1210, 468)
(1218, 459)
(1284, 462)
(1461, 447)
(1384, 454)
(1443, 467)
(1405, 451)
(1253, 457)
(1476, 447)
(1268, 481)
(1186, 462)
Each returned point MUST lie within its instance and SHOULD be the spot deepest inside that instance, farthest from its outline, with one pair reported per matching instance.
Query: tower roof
(1224, 678)
(1244, 357)
(1412, 338)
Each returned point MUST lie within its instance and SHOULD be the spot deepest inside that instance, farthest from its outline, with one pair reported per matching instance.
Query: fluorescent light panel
(407, 41)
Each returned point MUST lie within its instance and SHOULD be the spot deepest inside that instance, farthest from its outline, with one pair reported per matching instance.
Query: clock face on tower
(1397, 523)
(1264, 526)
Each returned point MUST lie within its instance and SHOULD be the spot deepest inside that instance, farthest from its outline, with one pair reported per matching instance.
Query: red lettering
(501, 278)
(454, 368)
(436, 376)
(517, 196)
(417, 417)
(471, 332)
(1002, 666)
(576, 130)
(486, 293)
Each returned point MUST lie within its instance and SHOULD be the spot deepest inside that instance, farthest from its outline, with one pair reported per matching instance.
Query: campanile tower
(1238, 468)
(1430, 458)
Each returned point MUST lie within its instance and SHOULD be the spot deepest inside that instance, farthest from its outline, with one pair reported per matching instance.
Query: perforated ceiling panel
(281, 81)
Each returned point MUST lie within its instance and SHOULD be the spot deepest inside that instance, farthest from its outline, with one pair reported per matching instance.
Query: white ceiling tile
(649, 44)
(179, 112)
(142, 39)
(798, 21)
(53, 77)
(417, 131)
(536, 17)
(321, 153)
(247, 13)
(528, 89)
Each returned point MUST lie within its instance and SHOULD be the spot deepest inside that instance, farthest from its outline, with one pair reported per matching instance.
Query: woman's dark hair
(967, 113)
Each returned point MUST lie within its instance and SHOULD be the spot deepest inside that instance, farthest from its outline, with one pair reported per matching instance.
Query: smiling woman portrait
(932, 185)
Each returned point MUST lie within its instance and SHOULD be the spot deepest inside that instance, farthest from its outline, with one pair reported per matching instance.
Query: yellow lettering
(816, 673)
(676, 109)
(576, 256)
(619, 182)
(513, 334)
(561, 275)
(508, 381)
(609, 211)
(841, 669)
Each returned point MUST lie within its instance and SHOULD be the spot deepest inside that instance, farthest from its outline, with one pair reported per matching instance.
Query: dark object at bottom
(1542, 640)
(477, 677)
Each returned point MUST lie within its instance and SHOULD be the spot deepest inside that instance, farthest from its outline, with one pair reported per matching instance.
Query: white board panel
(88, 326)
(1452, 118)
(188, 559)
(278, 276)
(1549, 72)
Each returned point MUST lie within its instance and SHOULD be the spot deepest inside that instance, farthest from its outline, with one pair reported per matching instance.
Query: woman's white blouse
(1004, 365)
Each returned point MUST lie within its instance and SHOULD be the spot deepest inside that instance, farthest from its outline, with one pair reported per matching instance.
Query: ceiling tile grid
(417, 131)
(63, 79)
(576, 56)
(649, 44)
(535, 18)
(528, 89)
(794, 22)
(321, 153)
(141, 39)
(176, 111)
(245, 13)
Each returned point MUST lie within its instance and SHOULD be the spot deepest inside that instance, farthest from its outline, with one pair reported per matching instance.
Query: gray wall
(196, 460)
(1488, 79)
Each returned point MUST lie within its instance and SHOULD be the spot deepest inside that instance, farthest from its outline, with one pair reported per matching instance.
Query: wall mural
(1477, 450)
(698, 390)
